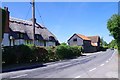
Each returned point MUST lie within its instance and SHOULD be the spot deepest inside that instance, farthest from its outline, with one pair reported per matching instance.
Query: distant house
(21, 32)
(90, 44)
(95, 40)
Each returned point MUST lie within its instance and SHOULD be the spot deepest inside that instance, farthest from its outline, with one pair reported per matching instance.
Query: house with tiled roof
(95, 40)
(89, 44)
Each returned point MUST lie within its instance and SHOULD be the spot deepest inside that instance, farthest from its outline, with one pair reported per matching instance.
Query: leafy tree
(103, 43)
(113, 44)
(113, 26)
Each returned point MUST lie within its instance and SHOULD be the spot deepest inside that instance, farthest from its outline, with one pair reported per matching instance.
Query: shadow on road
(19, 67)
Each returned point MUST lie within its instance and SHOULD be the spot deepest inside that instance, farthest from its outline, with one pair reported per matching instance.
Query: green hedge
(23, 54)
(52, 56)
(8, 55)
(40, 54)
(103, 48)
(31, 54)
(68, 52)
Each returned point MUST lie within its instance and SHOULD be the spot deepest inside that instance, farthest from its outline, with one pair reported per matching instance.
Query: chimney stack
(6, 8)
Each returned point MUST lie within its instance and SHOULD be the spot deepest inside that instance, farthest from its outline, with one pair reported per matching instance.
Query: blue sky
(64, 19)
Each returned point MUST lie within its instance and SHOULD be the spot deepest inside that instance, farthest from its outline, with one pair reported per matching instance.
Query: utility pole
(33, 20)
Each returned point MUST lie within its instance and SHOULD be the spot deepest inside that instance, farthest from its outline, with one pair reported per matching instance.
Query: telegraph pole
(33, 20)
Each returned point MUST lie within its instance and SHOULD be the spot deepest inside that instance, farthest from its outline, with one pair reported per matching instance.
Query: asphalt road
(100, 64)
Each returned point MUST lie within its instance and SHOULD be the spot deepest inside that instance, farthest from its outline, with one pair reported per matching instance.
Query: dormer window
(21, 35)
(37, 37)
(51, 38)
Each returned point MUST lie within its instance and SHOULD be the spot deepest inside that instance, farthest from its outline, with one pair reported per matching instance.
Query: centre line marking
(19, 76)
(102, 64)
(92, 69)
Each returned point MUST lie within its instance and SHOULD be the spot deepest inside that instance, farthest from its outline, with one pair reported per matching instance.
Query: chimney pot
(6, 8)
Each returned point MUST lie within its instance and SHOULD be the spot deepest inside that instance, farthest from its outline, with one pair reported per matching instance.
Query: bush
(68, 52)
(24, 54)
(28, 53)
(77, 50)
(8, 55)
(52, 56)
(103, 48)
(40, 54)
(16, 54)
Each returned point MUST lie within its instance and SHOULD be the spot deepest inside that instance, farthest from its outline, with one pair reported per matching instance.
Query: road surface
(102, 64)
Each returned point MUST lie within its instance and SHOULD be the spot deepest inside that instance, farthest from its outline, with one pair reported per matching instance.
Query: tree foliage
(103, 42)
(113, 44)
(113, 26)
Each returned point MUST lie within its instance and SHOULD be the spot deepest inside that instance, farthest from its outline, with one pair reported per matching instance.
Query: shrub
(28, 53)
(103, 48)
(16, 54)
(63, 51)
(24, 53)
(68, 52)
(40, 54)
(52, 56)
(77, 50)
(8, 55)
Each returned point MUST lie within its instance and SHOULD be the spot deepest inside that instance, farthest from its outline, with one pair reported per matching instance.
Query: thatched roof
(24, 26)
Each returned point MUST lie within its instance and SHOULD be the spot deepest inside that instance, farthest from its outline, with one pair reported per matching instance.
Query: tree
(113, 44)
(103, 43)
(113, 26)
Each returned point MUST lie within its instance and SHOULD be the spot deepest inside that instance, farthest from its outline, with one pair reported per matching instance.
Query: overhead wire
(27, 12)
(40, 16)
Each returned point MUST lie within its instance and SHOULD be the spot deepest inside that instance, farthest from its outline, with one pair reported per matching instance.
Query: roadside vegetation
(22, 54)
(103, 45)
(111, 45)
(113, 26)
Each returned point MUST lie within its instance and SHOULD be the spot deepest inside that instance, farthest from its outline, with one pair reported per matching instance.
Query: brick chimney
(6, 8)
(7, 20)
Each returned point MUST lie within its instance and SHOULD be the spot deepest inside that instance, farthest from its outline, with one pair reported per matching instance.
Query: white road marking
(107, 61)
(112, 55)
(102, 64)
(19, 76)
(92, 69)
(77, 77)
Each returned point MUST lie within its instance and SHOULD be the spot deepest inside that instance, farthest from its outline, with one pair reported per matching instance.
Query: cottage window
(21, 36)
(51, 38)
(10, 37)
(37, 36)
(26, 42)
(75, 39)
(17, 35)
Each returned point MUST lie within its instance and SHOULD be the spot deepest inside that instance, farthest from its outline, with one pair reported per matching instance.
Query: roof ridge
(20, 19)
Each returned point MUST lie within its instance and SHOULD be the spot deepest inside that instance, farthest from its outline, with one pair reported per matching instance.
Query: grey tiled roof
(24, 26)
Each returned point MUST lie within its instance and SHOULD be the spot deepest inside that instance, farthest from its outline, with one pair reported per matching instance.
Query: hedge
(32, 54)
(68, 52)
(52, 56)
